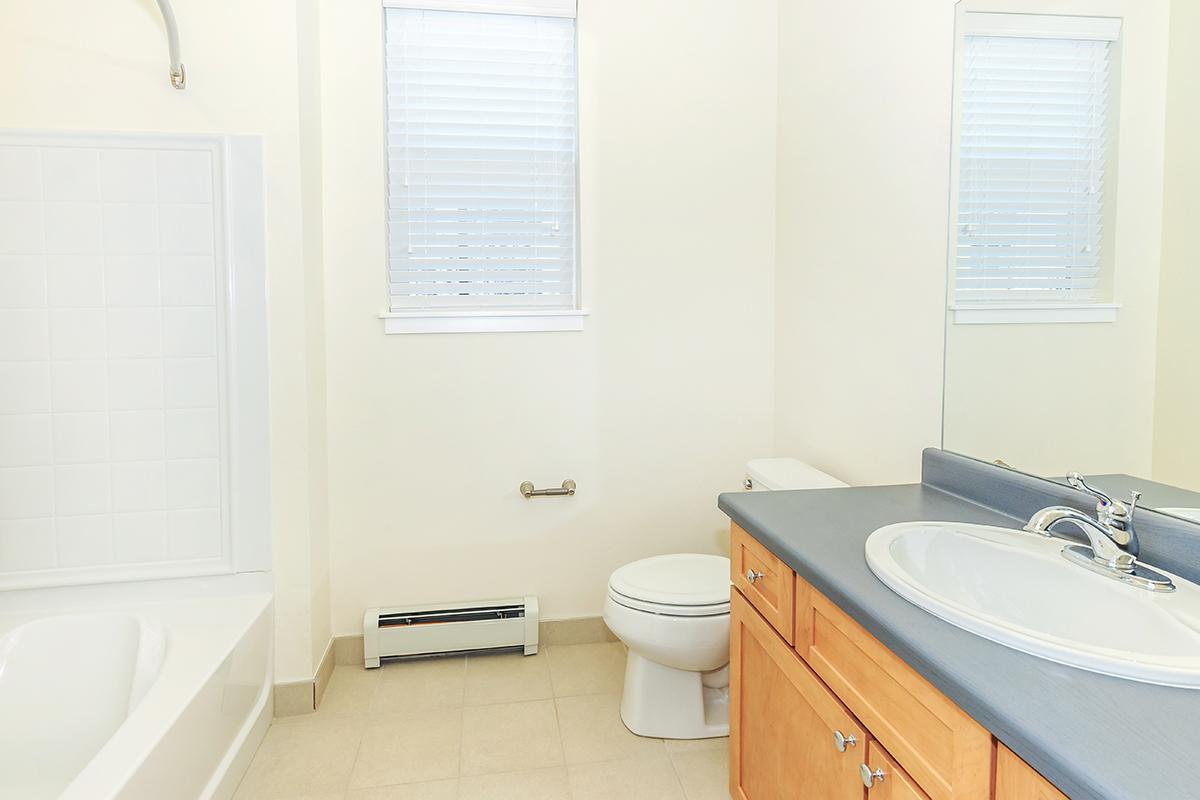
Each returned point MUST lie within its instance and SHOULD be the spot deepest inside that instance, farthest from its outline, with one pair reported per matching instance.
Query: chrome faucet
(1111, 534)
(1113, 542)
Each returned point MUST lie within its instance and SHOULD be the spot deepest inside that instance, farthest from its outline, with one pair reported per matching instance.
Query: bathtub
(155, 690)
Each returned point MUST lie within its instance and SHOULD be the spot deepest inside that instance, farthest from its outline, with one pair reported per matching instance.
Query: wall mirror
(1072, 334)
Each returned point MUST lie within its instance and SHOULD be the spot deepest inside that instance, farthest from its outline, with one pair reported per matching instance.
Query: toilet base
(668, 703)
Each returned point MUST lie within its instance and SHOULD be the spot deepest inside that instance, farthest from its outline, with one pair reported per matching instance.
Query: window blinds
(1032, 150)
(481, 137)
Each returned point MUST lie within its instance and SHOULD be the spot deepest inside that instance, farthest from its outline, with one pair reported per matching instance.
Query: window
(1034, 121)
(482, 143)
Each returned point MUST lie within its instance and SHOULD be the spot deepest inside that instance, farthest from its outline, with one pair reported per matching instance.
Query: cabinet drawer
(945, 751)
(767, 582)
(1016, 780)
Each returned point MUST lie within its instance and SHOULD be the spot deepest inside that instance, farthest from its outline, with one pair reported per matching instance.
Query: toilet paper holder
(568, 489)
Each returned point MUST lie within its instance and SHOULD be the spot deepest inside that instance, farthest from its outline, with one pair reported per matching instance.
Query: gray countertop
(1092, 735)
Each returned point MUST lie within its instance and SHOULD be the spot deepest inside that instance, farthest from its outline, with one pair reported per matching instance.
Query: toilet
(672, 612)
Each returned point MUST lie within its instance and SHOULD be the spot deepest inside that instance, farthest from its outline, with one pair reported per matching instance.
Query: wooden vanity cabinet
(794, 692)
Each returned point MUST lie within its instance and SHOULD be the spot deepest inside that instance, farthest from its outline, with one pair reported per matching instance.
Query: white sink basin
(1016, 589)
(1187, 513)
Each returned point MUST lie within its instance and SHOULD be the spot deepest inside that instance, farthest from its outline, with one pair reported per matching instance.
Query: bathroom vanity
(840, 688)
(821, 708)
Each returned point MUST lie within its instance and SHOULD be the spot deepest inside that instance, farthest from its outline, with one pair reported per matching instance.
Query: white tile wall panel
(22, 281)
(114, 443)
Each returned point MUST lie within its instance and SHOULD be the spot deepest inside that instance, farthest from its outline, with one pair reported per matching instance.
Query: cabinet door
(888, 780)
(783, 721)
(1016, 780)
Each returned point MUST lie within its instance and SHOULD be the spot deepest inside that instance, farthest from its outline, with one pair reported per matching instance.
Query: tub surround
(1051, 715)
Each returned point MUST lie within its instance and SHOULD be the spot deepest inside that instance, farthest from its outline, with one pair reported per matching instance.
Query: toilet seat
(715, 609)
(677, 585)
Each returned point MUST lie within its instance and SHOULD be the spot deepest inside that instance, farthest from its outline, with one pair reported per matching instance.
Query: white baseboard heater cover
(405, 631)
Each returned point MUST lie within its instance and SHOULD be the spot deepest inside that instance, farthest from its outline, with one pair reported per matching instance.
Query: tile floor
(492, 727)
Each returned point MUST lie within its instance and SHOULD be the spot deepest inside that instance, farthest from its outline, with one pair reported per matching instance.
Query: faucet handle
(1134, 497)
(1077, 482)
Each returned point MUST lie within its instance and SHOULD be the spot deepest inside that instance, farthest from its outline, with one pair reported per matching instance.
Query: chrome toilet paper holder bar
(568, 489)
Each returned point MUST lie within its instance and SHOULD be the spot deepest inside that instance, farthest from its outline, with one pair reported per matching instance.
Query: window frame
(500, 318)
(1032, 24)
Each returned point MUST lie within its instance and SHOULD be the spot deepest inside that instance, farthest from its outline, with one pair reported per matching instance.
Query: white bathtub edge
(237, 760)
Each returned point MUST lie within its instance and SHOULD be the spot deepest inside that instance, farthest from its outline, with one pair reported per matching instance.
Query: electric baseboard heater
(407, 631)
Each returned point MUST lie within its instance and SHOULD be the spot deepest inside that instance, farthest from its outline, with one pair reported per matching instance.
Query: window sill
(499, 321)
(1034, 314)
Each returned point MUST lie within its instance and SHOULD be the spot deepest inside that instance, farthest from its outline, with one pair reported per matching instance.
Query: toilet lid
(681, 579)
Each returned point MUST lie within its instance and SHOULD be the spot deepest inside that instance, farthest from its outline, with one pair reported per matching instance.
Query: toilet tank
(764, 474)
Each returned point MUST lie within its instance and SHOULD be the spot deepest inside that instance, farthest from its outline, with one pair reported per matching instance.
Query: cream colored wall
(864, 137)
(1177, 410)
(308, 25)
(102, 66)
(1004, 394)
(653, 408)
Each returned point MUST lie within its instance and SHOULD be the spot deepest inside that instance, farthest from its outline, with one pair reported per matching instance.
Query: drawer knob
(841, 741)
(753, 576)
(870, 776)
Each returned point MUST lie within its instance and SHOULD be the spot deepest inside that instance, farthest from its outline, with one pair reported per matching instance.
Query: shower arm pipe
(178, 75)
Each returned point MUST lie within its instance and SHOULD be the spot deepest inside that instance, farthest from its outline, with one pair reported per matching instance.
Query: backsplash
(112, 433)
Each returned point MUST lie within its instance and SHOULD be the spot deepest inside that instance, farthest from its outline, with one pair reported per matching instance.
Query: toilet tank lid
(788, 473)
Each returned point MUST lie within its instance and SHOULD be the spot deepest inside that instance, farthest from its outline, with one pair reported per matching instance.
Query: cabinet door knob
(870, 776)
(753, 576)
(841, 741)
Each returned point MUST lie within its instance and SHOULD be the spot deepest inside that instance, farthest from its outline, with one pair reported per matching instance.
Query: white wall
(102, 66)
(1176, 426)
(1004, 398)
(864, 137)
(653, 408)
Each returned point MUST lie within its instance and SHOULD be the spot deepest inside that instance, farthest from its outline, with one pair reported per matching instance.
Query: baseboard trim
(304, 697)
(324, 673)
(294, 698)
(580, 630)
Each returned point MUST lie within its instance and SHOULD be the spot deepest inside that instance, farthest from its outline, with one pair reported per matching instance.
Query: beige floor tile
(307, 756)
(510, 737)
(418, 685)
(409, 748)
(432, 790)
(508, 678)
(629, 779)
(350, 691)
(704, 774)
(688, 745)
(592, 731)
(538, 784)
(587, 668)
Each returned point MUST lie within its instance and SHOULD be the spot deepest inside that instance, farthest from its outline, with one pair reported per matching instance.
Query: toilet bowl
(672, 612)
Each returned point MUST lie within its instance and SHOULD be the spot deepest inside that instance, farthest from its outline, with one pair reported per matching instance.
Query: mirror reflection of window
(1033, 153)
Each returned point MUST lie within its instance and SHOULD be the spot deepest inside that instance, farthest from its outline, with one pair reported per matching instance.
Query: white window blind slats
(1032, 151)
(482, 141)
